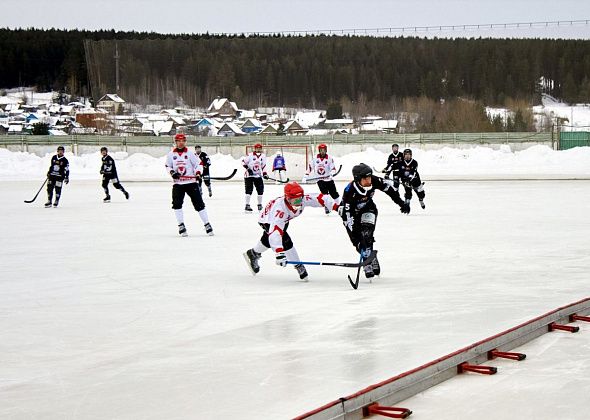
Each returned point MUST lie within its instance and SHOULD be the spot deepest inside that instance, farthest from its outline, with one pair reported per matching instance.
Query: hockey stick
(361, 263)
(278, 180)
(319, 178)
(223, 178)
(36, 195)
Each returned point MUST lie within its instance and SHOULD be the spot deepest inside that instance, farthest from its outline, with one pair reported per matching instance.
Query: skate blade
(245, 255)
(183, 235)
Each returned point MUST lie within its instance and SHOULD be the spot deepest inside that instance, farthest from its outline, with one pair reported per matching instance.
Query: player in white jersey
(186, 168)
(274, 220)
(255, 165)
(322, 168)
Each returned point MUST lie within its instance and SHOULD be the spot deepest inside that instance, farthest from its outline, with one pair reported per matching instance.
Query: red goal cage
(297, 157)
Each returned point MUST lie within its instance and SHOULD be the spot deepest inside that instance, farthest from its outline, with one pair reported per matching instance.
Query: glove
(206, 178)
(281, 259)
(250, 172)
(405, 208)
(175, 175)
(265, 176)
(384, 170)
(101, 172)
(67, 180)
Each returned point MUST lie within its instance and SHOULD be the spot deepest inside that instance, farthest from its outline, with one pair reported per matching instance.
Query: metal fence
(571, 139)
(402, 139)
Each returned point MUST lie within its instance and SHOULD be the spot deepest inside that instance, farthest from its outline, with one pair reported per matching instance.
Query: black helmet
(394, 145)
(360, 171)
(61, 148)
(408, 151)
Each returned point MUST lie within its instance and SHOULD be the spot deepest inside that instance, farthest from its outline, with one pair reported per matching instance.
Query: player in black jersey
(359, 212)
(393, 162)
(410, 178)
(109, 173)
(57, 175)
(206, 164)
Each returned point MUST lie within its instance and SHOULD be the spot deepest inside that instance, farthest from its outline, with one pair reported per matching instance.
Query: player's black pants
(363, 227)
(192, 190)
(287, 242)
(105, 183)
(328, 187)
(206, 178)
(416, 185)
(54, 183)
(252, 182)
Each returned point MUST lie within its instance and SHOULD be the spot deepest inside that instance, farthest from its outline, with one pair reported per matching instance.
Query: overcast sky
(239, 16)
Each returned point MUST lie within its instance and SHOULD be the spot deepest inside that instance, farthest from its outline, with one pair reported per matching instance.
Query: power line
(423, 29)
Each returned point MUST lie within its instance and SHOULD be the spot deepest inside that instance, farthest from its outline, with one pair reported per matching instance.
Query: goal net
(297, 158)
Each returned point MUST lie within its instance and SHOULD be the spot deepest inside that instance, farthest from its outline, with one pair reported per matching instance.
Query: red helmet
(323, 146)
(294, 193)
(179, 136)
(257, 146)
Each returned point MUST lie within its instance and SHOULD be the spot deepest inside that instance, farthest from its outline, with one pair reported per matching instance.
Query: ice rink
(106, 313)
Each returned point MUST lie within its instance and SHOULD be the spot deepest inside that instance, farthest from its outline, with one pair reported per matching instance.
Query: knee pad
(368, 219)
(420, 188)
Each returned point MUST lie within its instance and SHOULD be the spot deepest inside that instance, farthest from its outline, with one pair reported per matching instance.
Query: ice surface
(105, 312)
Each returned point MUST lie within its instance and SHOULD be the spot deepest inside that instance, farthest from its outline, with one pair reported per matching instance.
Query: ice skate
(422, 204)
(252, 258)
(182, 230)
(248, 209)
(301, 271)
(368, 269)
(126, 194)
(210, 192)
(326, 210)
(208, 229)
(260, 207)
(376, 267)
(48, 204)
(107, 199)
(55, 203)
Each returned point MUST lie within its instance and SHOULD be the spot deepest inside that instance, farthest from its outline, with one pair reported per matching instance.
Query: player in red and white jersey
(255, 165)
(322, 168)
(275, 219)
(186, 168)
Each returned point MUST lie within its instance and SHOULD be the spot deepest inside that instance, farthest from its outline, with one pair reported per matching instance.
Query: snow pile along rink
(536, 162)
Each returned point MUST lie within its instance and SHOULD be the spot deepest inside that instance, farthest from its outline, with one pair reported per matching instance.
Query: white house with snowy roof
(111, 102)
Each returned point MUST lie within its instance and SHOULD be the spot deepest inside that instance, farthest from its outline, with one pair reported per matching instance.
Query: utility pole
(117, 68)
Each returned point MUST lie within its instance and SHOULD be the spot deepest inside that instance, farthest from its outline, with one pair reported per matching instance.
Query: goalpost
(297, 157)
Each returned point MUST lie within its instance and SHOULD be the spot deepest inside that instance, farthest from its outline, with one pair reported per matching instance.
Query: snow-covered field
(106, 313)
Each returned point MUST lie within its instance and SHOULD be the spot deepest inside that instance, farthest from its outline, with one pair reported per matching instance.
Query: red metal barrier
(381, 410)
(492, 354)
(553, 326)
(484, 370)
(575, 317)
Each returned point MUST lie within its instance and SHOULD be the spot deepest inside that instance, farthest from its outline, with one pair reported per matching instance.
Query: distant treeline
(309, 71)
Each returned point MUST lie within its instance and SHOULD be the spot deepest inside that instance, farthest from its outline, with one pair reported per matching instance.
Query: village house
(111, 103)
(222, 108)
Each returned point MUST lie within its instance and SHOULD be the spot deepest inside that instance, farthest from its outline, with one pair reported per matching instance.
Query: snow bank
(446, 163)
